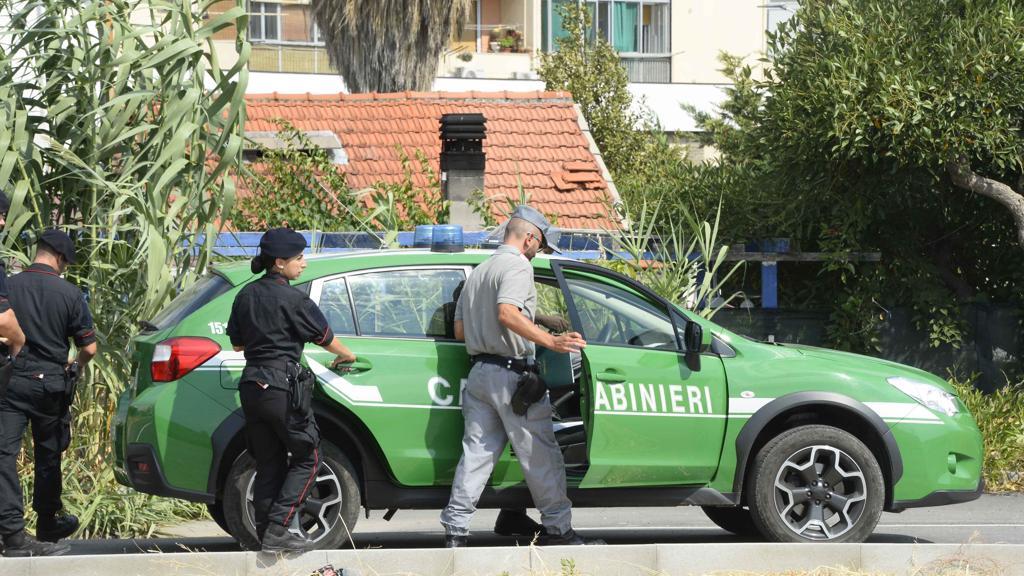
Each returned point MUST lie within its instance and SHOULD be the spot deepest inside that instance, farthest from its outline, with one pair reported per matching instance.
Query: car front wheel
(330, 512)
(816, 483)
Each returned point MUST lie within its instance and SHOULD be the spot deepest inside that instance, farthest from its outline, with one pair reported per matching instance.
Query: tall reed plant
(118, 124)
(684, 262)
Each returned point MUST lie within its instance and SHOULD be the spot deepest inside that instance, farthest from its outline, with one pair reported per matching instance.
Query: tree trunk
(960, 171)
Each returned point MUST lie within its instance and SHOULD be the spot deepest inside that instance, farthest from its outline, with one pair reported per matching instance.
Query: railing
(290, 57)
(648, 69)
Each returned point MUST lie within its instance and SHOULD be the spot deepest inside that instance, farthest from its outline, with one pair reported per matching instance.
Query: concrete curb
(626, 560)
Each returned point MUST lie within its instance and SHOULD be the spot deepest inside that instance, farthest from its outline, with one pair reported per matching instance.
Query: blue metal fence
(579, 245)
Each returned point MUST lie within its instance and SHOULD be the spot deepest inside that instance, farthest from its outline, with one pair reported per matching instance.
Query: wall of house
(703, 28)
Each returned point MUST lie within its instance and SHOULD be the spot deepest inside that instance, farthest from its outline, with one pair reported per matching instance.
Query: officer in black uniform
(271, 321)
(52, 312)
(11, 336)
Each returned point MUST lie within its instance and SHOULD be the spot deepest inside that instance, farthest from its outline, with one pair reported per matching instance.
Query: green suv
(663, 408)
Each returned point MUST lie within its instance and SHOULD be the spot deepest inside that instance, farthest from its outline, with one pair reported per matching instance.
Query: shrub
(1000, 416)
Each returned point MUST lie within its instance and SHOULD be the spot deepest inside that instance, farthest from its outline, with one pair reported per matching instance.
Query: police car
(662, 408)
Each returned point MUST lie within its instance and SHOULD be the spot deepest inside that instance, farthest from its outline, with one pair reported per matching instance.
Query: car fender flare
(756, 424)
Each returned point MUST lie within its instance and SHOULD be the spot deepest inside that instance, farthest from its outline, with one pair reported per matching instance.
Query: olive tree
(929, 84)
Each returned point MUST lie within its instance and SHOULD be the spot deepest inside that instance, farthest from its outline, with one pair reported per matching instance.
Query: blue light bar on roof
(447, 238)
(423, 237)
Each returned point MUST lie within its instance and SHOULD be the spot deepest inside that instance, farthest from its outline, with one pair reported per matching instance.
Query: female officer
(270, 321)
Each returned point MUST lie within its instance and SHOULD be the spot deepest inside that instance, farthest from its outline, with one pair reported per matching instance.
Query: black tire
(336, 497)
(216, 511)
(830, 489)
(735, 519)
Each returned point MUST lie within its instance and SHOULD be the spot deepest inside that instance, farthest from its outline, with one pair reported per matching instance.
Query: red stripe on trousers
(302, 495)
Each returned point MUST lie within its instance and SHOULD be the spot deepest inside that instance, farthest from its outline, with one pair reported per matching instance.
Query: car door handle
(611, 375)
(360, 365)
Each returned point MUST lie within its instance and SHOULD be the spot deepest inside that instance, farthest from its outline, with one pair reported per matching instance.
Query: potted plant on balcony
(508, 44)
(496, 35)
(462, 71)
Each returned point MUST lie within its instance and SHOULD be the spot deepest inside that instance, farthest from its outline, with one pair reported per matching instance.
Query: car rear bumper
(145, 475)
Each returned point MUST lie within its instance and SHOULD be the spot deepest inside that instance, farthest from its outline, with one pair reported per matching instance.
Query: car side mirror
(693, 339)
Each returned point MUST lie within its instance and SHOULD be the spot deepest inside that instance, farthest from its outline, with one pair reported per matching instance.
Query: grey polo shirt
(504, 278)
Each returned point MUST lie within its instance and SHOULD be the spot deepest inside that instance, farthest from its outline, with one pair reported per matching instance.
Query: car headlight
(928, 395)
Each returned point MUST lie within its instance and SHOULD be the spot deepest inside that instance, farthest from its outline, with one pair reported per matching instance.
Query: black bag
(529, 389)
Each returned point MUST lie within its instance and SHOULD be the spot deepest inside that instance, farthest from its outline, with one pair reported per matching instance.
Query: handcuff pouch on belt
(529, 389)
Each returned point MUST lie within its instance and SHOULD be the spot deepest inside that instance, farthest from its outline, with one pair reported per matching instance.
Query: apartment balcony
(491, 65)
(292, 57)
(648, 69)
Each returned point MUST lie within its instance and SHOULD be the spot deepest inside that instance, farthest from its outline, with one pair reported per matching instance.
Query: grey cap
(551, 234)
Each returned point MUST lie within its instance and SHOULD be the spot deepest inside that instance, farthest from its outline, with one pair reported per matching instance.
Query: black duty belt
(282, 365)
(515, 364)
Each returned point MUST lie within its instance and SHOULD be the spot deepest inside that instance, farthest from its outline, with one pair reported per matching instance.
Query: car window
(335, 305)
(408, 303)
(551, 309)
(193, 298)
(613, 315)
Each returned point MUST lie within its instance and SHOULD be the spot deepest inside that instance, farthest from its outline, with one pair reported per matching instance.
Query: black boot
(516, 523)
(570, 538)
(452, 541)
(277, 538)
(56, 527)
(21, 545)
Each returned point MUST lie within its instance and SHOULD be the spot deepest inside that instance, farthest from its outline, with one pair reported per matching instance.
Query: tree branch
(960, 171)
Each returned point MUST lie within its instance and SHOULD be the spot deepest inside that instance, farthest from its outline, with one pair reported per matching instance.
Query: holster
(303, 432)
(71, 377)
(6, 369)
(529, 389)
(301, 382)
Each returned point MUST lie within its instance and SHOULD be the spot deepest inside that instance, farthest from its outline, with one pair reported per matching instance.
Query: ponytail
(261, 262)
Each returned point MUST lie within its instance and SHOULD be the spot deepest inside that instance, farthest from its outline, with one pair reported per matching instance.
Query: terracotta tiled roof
(533, 134)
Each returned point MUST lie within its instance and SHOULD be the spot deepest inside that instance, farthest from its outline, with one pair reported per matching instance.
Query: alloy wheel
(820, 492)
(322, 509)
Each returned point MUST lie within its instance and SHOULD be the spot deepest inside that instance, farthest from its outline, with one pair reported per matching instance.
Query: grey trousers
(489, 425)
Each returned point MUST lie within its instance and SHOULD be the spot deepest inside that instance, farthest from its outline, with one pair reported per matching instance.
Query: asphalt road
(992, 519)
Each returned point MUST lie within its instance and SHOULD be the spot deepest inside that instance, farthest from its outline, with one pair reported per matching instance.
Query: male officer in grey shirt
(495, 316)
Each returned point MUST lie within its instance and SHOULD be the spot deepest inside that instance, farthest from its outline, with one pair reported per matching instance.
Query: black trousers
(285, 443)
(39, 402)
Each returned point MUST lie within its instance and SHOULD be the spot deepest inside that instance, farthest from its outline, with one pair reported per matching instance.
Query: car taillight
(176, 357)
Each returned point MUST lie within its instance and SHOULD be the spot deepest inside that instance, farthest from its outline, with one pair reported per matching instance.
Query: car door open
(651, 420)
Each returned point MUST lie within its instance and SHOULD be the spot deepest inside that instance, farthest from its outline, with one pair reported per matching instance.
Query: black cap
(59, 242)
(5, 203)
(282, 243)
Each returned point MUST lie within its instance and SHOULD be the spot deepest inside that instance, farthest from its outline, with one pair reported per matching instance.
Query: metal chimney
(462, 165)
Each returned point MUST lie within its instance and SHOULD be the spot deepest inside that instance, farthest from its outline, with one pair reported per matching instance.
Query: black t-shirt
(272, 321)
(51, 311)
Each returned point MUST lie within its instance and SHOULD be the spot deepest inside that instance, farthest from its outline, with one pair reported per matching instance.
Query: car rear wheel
(733, 519)
(330, 512)
(816, 483)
